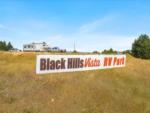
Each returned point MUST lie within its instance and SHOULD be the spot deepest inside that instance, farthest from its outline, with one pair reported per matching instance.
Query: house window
(25, 46)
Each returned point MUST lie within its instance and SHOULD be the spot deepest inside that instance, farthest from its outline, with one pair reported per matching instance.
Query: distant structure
(15, 50)
(55, 49)
(74, 47)
(39, 47)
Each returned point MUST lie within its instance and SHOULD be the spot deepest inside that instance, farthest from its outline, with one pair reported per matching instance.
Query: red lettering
(107, 61)
(119, 61)
(91, 63)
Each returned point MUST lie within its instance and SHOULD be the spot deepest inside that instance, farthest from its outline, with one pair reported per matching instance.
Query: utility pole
(74, 47)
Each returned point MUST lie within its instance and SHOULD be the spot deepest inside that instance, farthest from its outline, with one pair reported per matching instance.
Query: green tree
(141, 47)
(110, 51)
(9, 46)
(4, 46)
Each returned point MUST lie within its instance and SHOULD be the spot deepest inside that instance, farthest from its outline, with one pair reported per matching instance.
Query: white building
(36, 47)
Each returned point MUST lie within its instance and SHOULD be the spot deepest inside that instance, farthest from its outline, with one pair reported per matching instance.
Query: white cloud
(91, 41)
(86, 38)
(91, 26)
(2, 26)
(6, 28)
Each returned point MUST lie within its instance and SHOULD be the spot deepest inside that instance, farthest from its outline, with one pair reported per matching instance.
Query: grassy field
(122, 90)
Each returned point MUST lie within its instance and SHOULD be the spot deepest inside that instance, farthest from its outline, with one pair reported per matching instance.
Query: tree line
(140, 47)
(4, 46)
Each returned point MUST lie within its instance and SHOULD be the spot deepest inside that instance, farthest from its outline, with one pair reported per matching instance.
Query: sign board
(70, 63)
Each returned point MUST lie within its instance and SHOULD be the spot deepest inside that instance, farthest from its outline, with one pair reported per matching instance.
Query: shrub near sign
(68, 63)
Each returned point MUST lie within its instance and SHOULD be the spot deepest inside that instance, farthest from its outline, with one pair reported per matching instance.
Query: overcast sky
(91, 24)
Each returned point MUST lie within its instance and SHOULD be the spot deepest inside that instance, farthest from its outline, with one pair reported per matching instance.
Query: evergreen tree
(141, 47)
(9, 46)
(4, 46)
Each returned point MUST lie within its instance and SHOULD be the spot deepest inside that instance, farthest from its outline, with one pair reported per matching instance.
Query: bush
(141, 47)
(110, 51)
(96, 52)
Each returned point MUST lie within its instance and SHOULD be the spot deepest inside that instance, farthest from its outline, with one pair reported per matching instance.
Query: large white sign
(69, 63)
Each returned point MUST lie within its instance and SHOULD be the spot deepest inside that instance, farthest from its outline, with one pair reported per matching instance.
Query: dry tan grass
(123, 90)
